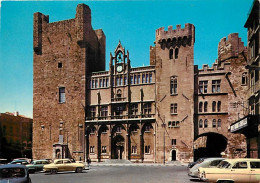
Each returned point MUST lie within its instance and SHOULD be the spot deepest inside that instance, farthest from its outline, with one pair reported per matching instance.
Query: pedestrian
(88, 161)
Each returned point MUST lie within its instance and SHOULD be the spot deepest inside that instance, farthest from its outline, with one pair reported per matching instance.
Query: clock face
(119, 68)
(119, 57)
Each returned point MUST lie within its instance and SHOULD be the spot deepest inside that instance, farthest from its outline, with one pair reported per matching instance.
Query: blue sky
(132, 22)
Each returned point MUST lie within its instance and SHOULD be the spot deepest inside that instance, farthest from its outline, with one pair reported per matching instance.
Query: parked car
(19, 161)
(233, 171)
(191, 164)
(14, 173)
(37, 165)
(60, 165)
(207, 163)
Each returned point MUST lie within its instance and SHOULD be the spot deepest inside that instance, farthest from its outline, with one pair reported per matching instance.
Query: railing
(123, 117)
(118, 99)
(253, 89)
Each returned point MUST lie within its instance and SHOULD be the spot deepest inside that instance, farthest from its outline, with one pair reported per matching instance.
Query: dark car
(37, 165)
(19, 161)
(200, 160)
(14, 173)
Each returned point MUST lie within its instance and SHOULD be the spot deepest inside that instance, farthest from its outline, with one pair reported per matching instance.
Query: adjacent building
(249, 124)
(15, 136)
(170, 110)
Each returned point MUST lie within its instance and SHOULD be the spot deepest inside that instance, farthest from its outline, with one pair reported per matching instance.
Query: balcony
(253, 89)
(121, 117)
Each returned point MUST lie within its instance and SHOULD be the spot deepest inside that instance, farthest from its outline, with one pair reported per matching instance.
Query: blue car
(14, 173)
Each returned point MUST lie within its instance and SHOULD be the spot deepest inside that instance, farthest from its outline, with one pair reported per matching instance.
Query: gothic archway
(118, 147)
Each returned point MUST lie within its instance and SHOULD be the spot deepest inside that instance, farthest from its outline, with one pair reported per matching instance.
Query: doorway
(173, 155)
(118, 147)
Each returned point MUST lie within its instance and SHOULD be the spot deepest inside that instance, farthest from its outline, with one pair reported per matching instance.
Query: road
(114, 174)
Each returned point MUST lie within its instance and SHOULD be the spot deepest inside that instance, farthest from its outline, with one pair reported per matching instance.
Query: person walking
(88, 161)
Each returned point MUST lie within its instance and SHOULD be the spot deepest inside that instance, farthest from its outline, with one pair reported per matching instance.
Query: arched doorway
(118, 147)
(173, 155)
(209, 145)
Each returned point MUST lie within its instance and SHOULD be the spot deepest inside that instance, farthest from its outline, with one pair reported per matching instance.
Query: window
(119, 109)
(91, 149)
(134, 109)
(240, 165)
(125, 80)
(104, 111)
(171, 54)
(143, 78)
(93, 83)
(175, 124)
(173, 85)
(117, 81)
(214, 106)
(62, 95)
(120, 80)
(150, 78)
(147, 149)
(244, 78)
(131, 78)
(255, 165)
(96, 83)
(92, 130)
(147, 128)
(205, 106)
(118, 129)
(216, 86)
(134, 149)
(201, 123)
(104, 82)
(100, 83)
(214, 123)
(200, 106)
(173, 142)
(203, 87)
(176, 53)
(104, 149)
(174, 108)
(169, 124)
(138, 79)
(135, 79)
(107, 82)
(147, 109)
(59, 65)
(134, 128)
(219, 122)
(93, 112)
(103, 129)
(206, 123)
(219, 106)
(147, 78)
(119, 93)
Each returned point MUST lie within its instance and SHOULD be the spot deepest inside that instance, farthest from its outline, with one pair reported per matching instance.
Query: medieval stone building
(167, 111)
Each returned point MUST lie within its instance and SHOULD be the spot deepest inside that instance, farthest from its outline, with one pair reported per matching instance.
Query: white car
(207, 163)
(244, 170)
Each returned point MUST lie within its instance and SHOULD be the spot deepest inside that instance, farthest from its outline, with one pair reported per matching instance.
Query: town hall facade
(168, 111)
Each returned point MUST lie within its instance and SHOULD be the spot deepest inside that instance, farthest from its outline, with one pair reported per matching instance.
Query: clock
(119, 57)
(119, 68)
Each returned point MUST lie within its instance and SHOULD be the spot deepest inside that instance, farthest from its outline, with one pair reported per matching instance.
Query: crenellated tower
(173, 57)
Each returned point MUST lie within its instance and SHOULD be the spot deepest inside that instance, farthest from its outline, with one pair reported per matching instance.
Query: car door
(68, 165)
(254, 171)
(240, 172)
(59, 165)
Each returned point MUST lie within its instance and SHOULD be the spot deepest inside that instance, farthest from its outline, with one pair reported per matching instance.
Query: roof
(12, 166)
(242, 159)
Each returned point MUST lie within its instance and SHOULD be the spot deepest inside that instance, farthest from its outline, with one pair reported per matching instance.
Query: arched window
(219, 106)
(171, 54)
(219, 122)
(214, 123)
(200, 106)
(173, 85)
(205, 106)
(119, 93)
(201, 123)
(206, 123)
(214, 106)
(176, 53)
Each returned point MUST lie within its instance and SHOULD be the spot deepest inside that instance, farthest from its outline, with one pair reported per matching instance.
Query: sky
(132, 22)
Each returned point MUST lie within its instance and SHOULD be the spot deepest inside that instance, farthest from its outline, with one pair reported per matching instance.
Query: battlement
(230, 47)
(215, 68)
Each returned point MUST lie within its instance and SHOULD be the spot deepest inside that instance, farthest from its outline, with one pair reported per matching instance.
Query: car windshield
(12, 172)
(223, 164)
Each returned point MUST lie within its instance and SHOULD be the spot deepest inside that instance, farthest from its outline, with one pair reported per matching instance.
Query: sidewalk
(138, 164)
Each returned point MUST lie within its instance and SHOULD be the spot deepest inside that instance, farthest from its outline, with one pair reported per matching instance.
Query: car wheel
(53, 171)
(79, 170)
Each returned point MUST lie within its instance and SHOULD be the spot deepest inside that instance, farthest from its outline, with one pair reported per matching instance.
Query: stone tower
(173, 58)
(64, 52)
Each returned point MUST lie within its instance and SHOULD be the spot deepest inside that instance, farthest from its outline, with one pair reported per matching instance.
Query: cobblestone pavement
(120, 173)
